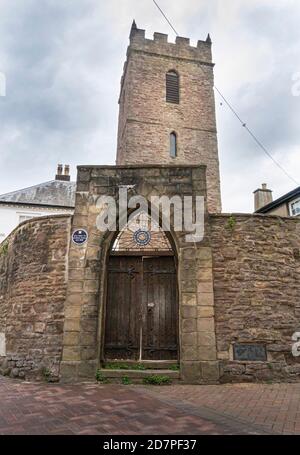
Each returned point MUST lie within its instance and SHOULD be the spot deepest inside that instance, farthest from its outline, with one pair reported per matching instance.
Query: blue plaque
(80, 236)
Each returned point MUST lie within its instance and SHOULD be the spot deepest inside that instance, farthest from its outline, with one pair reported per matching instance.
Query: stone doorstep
(138, 374)
(148, 364)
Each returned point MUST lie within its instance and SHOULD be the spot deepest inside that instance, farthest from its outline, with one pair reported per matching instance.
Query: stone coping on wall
(255, 215)
(33, 220)
(144, 166)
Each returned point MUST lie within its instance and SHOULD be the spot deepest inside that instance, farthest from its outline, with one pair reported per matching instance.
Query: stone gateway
(222, 309)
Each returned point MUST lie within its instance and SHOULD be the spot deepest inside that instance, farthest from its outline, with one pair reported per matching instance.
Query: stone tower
(167, 108)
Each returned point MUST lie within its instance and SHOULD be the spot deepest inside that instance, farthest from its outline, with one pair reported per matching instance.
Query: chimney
(65, 177)
(67, 170)
(59, 171)
(262, 197)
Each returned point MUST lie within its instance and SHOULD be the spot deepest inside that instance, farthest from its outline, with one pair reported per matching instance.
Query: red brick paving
(38, 408)
(272, 407)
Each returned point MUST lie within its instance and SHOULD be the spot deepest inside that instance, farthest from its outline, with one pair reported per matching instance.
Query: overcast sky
(63, 61)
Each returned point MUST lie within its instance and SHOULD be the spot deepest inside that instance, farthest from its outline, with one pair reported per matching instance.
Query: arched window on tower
(173, 144)
(172, 87)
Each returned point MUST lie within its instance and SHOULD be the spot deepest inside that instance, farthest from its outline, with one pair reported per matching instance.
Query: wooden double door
(141, 320)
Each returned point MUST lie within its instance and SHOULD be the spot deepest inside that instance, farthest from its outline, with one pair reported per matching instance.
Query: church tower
(167, 107)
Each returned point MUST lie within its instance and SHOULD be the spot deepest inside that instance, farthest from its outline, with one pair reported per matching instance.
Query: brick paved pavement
(38, 408)
(272, 407)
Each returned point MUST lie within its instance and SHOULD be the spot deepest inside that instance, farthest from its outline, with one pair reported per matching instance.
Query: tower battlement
(161, 46)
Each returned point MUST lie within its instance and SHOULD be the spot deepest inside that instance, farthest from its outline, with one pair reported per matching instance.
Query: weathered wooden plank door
(160, 309)
(123, 311)
(141, 320)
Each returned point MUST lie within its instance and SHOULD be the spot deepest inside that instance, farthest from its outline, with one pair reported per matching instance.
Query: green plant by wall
(231, 223)
(46, 374)
(157, 380)
(126, 380)
(124, 366)
(175, 367)
(101, 378)
(3, 249)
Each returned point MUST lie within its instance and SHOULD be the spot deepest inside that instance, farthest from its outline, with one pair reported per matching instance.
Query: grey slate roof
(285, 198)
(56, 193)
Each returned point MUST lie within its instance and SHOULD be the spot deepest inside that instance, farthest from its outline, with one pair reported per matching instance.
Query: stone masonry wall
(256, 268)
(33, 276)
(241, 284)
(146, 119)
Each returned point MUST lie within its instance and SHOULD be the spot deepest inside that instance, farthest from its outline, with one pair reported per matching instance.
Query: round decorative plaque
(142, 237)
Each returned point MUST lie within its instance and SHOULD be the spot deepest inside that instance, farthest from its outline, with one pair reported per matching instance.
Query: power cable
(258, 142)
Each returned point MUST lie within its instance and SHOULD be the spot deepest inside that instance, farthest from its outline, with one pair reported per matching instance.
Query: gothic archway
(141, 317)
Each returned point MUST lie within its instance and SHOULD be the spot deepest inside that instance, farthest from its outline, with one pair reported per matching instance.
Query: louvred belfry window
(172, 87)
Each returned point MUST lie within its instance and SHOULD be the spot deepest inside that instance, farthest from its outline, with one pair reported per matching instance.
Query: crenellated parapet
(161, 46)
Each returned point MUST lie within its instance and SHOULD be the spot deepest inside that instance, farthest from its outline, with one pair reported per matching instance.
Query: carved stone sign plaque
(249, 352)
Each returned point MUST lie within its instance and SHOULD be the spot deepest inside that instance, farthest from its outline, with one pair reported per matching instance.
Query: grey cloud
(63, 61)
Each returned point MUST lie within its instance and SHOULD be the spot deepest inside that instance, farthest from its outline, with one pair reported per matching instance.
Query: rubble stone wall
(33, 278)
(256, 269)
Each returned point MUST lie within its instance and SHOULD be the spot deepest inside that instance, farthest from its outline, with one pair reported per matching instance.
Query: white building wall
(12, 215)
